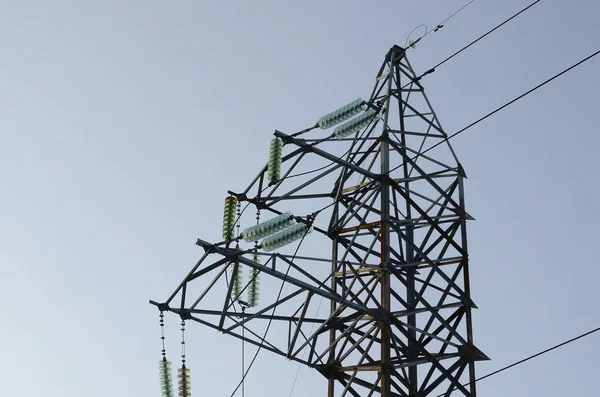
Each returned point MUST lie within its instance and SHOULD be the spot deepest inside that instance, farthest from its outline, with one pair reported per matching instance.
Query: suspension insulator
(185, 385)
(342, 114)
(356, 124)
(254, 287)
(275, 156)
(166, 380)
(236, 279)
(285, 237)
(268, 227)
(229, 218)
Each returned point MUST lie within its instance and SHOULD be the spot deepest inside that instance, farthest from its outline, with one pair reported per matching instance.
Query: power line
(452, 16)
(437, 27)
(530, 357)
(431, 70)
(502, 107)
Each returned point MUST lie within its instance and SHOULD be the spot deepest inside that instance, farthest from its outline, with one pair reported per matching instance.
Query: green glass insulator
(356, 124)
(341, 114)
(236, 279)
(166, 380)
(229, 218)
(254, 287)
(275, 156)
(269, 227)
(285, 237)
(184, 382)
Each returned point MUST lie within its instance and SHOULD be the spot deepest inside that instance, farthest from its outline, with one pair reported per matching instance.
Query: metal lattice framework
(388, 255)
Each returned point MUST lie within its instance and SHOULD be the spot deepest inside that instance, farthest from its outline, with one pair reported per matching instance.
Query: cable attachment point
(413, 43)
(425, 74)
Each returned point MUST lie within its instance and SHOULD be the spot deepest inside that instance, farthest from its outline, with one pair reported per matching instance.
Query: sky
(124, 124)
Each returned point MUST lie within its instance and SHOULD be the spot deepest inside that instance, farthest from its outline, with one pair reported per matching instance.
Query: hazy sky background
(124, 123)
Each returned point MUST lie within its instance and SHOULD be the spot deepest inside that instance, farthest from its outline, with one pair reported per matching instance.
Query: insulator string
(239, 217)
(183, 373)
(162, 335)
(164, 365)
(183, 342)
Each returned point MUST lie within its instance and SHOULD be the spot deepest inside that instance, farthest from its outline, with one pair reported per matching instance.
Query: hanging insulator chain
(237, 280)
(183, 342)
(183, 373)
(239, 216)
(237, 271)
(162, 334)
(229, 218)
(164, 366)
(275, 159)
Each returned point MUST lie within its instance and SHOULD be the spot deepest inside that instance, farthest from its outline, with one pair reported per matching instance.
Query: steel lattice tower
(389, 203)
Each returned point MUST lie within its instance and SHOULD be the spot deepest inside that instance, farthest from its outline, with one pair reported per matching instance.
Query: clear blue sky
(123, 125)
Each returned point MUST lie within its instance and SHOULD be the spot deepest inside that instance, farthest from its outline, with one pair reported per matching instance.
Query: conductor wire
(530, 358)
(500, 108)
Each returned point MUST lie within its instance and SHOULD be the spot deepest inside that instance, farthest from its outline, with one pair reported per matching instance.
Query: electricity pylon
(395, 271)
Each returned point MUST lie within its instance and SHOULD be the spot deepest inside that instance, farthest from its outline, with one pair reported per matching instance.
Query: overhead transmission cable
(431, 70)
(502, 107)
(437, 27)
(441, 24)
(530, 357)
